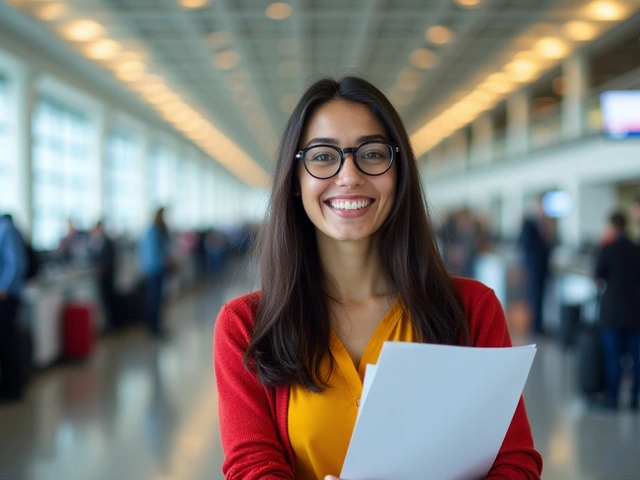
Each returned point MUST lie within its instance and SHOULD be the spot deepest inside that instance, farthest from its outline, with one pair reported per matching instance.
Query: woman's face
(345, 124)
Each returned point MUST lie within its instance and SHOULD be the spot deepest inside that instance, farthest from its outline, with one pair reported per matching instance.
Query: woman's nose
(349, 174)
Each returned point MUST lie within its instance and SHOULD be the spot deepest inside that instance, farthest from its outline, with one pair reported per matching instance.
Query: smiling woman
(349, 261)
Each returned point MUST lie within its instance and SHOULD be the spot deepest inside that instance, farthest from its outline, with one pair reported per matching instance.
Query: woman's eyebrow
(333, 141)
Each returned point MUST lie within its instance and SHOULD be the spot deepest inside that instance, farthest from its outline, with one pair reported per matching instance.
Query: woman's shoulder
(471, 291)
(242, 308)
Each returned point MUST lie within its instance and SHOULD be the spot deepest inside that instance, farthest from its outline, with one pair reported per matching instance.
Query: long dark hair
(292, 327)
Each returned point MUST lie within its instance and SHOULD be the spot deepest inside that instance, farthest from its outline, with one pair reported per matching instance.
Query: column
(576, 84)
(512, 212)
(481, 151)
(26, 95)
(456, 152)
(518, 117)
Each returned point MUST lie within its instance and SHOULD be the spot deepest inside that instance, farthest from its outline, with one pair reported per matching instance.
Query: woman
(348, 260)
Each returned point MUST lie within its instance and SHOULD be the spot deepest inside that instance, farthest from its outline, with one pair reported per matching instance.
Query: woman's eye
(323, 157)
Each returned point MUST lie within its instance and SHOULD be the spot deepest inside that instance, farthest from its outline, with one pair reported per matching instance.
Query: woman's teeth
(339, 205)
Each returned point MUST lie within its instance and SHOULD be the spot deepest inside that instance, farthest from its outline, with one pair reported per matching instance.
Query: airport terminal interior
(120, 116)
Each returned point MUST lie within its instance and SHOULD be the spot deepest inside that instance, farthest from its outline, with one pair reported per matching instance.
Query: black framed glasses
(371, 158)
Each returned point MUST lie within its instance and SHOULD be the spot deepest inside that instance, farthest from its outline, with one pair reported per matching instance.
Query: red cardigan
(253, 419)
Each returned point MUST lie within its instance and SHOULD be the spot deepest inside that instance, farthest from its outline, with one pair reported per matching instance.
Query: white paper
(435, 411)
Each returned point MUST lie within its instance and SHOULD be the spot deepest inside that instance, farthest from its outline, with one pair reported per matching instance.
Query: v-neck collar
(355, 375)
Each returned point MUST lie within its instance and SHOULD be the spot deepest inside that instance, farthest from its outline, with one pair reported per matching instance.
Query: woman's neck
(353, 269)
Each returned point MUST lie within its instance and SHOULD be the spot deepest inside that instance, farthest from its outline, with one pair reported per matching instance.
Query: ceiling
(242, 71)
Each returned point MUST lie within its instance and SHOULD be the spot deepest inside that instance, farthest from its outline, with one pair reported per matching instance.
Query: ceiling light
(288, 103)
(278, 11)
(130, 71)
(606, 10)
(103, 49)
(83, 31)
(289, 68)
(521, 70)
(469, 3)
(551, 47)
(439, 34)
(51, 11)
(409, 79)
(423, 58)
(287, 46)
(580, 31)
(219, 39)
(193, 4)
(226, 60)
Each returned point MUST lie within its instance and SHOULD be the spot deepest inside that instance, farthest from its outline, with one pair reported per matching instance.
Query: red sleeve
(250, 441)
(517, 458)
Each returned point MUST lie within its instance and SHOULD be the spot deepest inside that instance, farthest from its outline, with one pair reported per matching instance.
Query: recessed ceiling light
(130, 71)
(288, 103)
(287, 46)
(278, 11)
(439, 34)
(606, 10)
(218, 39)
(551, 47)
(103, 49)
(469, 3)
(51, 11)
(289, 68)
(580, 31)
(193, 4)
(522, 70)
(83, 31)
(409, 79)
(423, 58)
(226, 60)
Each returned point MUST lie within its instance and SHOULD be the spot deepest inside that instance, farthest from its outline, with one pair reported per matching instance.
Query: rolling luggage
(569, 325)
(591, 377)
(78, 331)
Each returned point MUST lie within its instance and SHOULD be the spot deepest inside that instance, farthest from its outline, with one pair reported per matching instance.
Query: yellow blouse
(320, 424)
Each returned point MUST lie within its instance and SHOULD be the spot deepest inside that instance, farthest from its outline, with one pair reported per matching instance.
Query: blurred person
(618, 266)
(536, 242)
(635, 216)
(102, 252)
(71, 245)
(348, 260)
(13, 270)
(155, 263)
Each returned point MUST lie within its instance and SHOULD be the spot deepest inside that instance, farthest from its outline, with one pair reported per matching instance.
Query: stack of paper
(435, 411)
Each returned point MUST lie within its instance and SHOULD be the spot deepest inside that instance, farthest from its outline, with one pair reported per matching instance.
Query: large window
(62, 172)
(123, 184)
(4, 141)
(161, 176)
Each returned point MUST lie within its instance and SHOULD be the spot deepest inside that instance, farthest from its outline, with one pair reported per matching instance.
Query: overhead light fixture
(287, 46)
(580, 31)
(423, 58)
(51, 11)
(606, 10)
(130, 71)
(521, 70)
(226, 60)
(103, 49)
(289, 68)
(218, 39)
(278, 11)
(409, 79)
(193, 4)
(551, 47)
(83, 31)
(288, 103)
(439, 34)
(469, 3)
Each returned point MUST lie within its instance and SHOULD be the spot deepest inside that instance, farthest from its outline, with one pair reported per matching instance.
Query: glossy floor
(147, 410)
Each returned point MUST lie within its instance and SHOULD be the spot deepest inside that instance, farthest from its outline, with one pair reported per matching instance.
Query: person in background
(155, 262)
(618, 266)
(13, 269)
(536, 241)
(103, 258)
(348, 261)
(71, 246)
(635, 216)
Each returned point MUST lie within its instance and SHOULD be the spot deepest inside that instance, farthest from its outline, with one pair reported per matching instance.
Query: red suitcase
(78, 336)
